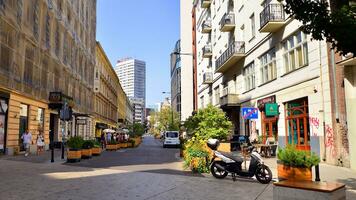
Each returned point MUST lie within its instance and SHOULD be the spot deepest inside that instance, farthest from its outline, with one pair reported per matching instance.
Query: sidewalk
(44, 157)
(328, 173)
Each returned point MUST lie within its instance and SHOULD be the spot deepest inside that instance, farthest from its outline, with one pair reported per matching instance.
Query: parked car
(171, 138)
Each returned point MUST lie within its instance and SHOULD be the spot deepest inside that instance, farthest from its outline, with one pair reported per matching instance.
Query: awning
(101, 125)
(109, 130)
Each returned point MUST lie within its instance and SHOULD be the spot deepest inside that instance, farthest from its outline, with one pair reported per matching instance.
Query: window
(295, 52)
(249, 76)
(217, 95)
(268, 66)
(253, 27)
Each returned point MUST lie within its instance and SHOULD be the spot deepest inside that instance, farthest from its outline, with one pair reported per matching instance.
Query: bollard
(317, 175)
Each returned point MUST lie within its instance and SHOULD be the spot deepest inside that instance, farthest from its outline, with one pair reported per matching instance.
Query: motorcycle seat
(232, 157)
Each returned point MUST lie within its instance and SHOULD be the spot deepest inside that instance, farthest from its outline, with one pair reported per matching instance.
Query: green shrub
(75, 142)
(195, 156)
(97, 144)
(112, 142)
(88, 144)
(132, 142)
(297, 158)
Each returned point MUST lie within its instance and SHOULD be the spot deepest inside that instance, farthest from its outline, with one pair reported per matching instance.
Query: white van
(171, 138)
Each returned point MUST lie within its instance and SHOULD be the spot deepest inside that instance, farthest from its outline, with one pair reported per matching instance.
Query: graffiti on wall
(330, 142)
(315, 124)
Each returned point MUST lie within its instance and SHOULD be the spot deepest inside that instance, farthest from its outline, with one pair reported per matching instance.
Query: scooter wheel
(264, 174)
(216, 172)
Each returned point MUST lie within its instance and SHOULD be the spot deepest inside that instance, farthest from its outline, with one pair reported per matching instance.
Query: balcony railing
(229, 98)
(206, 3)
(207, 77)
(206, 26)
(272, 18)
(227, 22)
(207, 51)
(232, 54)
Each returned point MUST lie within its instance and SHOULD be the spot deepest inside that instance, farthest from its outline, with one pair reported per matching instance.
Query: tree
(337, 24)
(209, 122)
(136, 129)
(168, 119)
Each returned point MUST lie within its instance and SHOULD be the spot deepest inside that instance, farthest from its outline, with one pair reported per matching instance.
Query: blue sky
(143, 29)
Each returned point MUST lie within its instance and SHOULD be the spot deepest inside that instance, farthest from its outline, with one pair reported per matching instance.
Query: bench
(305, 190)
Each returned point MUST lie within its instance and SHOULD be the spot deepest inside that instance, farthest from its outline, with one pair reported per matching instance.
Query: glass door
(23, 123)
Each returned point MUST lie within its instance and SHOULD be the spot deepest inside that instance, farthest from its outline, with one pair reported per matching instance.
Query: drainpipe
(333, 67)
(323, 103)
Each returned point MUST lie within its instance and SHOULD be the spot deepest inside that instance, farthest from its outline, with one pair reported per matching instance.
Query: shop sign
(271, 109)
(60, 98)
(250, 113)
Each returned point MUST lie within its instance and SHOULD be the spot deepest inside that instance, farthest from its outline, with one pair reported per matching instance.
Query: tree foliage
(136, 129)
(209, 122)
(168, 119)
(337, 24)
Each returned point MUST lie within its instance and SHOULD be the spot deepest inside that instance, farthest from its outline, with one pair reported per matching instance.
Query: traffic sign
(250, 113)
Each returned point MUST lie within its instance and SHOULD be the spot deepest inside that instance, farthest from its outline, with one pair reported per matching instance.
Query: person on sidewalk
(108, 137)
(27, 141)
(102, 140)
(40, 143)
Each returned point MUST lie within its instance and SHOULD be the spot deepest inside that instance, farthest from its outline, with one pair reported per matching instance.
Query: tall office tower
(132, 75)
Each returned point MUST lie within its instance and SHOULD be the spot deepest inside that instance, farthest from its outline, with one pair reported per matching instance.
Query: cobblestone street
(147, 172)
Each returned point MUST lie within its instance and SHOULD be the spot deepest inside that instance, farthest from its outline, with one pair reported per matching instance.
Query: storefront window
(297, 123)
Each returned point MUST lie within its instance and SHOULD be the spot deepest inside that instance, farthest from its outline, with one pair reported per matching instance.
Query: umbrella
(108, 131)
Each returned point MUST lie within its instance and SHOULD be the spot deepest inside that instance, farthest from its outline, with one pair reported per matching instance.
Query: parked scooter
(228, 163)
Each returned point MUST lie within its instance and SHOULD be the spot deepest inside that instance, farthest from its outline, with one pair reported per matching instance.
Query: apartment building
(132, 75)
(176, 79)
(106, 88)
(47, 58)
(186, 60)
(269, 77)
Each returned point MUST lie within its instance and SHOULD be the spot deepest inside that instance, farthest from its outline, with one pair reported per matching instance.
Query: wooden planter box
(111, 147)
(96, 151)
(74, 155)
(124, 145)
(293, 173)
(129, 144)
(86, 153)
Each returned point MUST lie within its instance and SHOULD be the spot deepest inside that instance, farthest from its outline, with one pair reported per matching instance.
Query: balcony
(229, 99)
(234, 53)
(206, 3)
(206, 26)
(207, 51)
(207, 78)
(272, 18)
(227, 22)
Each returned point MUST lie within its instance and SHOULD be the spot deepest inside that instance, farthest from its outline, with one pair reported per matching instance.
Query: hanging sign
(271, 109)
(250, 113)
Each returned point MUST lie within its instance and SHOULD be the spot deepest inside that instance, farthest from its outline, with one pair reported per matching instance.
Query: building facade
(269, 77)
(132, 75)
(106, 88)
(129, 115)
(47, 47)
(186, 59)
(176, 79)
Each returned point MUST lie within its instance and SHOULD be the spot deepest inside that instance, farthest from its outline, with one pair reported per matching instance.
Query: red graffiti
(329, 136)
(314, 121)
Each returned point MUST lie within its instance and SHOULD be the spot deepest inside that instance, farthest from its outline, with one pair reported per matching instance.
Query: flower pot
(86, 153)
(293, 173)
(96, 151)
(111, 147)
(74, 155)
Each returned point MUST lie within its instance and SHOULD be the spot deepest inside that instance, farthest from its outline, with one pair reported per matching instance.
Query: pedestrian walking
(108, 137)
(40, 143)
(27, 141)
(102, 140)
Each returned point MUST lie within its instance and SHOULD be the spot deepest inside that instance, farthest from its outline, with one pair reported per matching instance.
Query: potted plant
(96, 150)
(74, 149)
(294, 164)
(86, 149)
(112, 145)
(131, 143)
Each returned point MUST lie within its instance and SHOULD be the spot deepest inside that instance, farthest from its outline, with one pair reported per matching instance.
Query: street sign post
(250, 113)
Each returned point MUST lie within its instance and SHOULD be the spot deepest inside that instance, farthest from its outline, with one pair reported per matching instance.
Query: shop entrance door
(269, 128)
(23, 124)
(297, 124)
